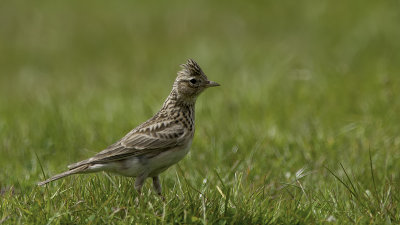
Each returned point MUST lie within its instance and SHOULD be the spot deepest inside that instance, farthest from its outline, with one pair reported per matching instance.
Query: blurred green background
(305, 84)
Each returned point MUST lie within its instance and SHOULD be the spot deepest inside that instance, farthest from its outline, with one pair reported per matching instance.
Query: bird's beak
(212, 84)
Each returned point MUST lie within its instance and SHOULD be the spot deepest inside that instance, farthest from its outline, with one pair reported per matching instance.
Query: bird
(158, 143)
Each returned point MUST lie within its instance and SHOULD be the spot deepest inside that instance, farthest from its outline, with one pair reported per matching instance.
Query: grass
(304, 129)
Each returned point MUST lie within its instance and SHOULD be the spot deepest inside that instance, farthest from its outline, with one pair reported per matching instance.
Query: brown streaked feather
(145, 140)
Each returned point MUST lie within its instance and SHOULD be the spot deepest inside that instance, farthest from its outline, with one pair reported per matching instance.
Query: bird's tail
(65, 174)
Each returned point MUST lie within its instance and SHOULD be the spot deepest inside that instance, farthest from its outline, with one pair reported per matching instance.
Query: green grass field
(305, 128)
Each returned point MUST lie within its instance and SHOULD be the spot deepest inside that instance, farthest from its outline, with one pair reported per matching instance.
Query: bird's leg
(139, 183)
(157, 187)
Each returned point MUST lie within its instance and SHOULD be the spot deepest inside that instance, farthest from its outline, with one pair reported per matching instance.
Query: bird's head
(191, 81)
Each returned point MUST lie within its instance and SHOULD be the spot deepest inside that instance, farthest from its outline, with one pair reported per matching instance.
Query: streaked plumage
(158, 143)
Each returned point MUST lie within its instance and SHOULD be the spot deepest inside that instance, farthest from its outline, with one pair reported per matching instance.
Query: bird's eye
(193, 81)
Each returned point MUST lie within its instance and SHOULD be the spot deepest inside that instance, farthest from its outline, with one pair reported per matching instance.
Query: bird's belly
(138, 165)
(131, 167)
(166, 159)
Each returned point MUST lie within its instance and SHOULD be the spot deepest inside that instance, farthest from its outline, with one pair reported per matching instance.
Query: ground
(303, 130)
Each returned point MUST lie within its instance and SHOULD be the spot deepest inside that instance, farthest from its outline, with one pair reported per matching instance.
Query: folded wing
(148, 139)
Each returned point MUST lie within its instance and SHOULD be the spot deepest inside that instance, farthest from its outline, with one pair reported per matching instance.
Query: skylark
(156, 144)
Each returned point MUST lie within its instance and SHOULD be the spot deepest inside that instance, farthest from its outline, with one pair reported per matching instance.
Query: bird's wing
(148, 139)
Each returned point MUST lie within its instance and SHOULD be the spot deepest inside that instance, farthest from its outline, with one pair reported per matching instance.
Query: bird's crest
(191, 68)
